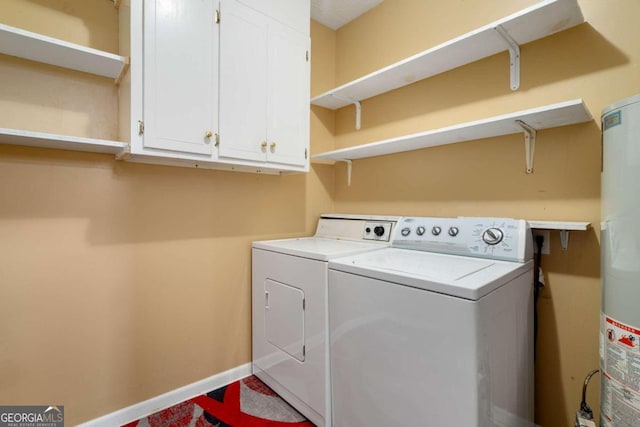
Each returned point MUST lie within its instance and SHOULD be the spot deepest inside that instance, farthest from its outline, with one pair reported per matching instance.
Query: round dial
(405, 231)
(453, 231)
(436, 230)
(420, 230)
(492, 236)
(378, 230)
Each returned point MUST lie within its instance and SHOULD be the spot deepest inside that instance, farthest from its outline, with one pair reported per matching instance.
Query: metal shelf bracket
(529, 144)
(356, 104)
(564, 239)
(349, 168)
(514, 56)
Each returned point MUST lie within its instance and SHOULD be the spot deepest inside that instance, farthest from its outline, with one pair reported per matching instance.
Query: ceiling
(335, 13)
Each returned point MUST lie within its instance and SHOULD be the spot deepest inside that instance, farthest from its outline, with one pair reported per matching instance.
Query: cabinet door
(180, 75)
(243, 82)
(288, 96)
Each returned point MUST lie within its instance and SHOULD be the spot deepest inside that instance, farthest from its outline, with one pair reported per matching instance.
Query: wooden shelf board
(62, 142)
(48, 50)
(538, 21)
(548, 116)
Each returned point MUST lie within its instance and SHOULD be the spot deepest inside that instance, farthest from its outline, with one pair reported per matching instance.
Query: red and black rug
(245, 403)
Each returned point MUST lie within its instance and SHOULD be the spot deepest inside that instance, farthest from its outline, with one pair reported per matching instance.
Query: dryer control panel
(496, 238)
(374, 228)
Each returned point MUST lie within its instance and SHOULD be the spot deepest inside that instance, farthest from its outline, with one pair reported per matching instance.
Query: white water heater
(620, 260)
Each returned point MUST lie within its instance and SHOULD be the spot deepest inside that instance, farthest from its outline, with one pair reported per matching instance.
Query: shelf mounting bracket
(514, 56)
(356, 104)
(529, 144)
(564, 239)
(349, 168)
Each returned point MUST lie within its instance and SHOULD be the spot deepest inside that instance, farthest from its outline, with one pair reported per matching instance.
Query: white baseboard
(155, 404)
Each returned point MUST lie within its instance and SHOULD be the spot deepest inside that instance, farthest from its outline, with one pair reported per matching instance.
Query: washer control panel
(496, 238)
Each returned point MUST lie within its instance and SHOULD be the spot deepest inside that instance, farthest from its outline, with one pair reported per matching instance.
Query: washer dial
(492, 236)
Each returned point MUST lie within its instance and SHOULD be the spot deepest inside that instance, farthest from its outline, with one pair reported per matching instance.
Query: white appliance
(620, 260)
(289, 307)
(436, 330)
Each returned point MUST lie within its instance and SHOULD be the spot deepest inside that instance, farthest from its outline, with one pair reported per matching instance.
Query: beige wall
(121, 281)
(597, 61)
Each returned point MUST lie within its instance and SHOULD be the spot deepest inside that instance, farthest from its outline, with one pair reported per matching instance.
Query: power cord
(584, 417)
(538, 284)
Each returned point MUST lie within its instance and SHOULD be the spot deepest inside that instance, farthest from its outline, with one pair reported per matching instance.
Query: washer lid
(317, 248)
(459, 276)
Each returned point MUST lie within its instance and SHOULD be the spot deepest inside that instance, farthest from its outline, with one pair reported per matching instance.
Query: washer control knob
(405, 231)
(492, 236)
(420, 230)
(436, 230)
(453, 231)
(378, 230)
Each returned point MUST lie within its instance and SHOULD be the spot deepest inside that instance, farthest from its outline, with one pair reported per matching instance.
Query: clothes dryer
(289, 306)
(437, 329)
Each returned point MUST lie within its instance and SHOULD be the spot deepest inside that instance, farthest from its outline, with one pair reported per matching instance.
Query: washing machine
(289, 306)
(437, 329)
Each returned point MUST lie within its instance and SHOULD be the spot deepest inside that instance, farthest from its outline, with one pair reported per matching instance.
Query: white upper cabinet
(264, 87)
(180, 75)
(216, 84)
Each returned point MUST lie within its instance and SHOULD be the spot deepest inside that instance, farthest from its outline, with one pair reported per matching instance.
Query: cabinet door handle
(264, 145)
(208, 134)
(273, 146)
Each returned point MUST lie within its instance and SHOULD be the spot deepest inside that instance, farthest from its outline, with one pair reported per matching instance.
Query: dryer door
(284, 317)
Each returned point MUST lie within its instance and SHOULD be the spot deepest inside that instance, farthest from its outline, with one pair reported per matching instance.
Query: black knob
(378, 230)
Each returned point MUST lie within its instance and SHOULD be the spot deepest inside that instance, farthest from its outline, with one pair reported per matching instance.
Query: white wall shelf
(62, 142)
(538, 21)
(563, 226)
(526, 121)
(40, 48)
(559, 225)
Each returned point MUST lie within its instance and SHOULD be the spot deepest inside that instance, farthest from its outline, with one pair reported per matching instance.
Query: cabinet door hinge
(140, 127)
(305, 154)
(303, 304)
(217, 16)
(307, 56)
(304, 351)
(217, 139)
